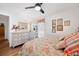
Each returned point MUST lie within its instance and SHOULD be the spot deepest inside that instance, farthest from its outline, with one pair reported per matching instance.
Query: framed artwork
(60, 24)
(60, 21)
(54, 25)
(54, 29)
(67, 23)
(59, 27)
(53, 22)
(23, 25)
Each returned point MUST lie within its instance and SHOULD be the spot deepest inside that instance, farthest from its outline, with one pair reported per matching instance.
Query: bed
(41, 47)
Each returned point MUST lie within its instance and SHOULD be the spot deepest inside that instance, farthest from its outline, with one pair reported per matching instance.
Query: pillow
(72, 39)
(69, 36)
(72, 49)
(72, 45)
(60, 45)
(67, 41)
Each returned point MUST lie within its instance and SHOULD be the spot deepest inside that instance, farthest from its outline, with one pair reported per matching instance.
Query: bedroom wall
(72, 15)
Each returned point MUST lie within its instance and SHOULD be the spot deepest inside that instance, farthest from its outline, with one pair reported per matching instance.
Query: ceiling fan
(37, 6)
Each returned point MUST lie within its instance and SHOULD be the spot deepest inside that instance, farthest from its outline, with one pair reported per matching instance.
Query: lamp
(37, 8)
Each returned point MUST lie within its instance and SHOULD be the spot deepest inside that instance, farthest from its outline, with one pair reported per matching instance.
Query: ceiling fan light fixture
(37, 8)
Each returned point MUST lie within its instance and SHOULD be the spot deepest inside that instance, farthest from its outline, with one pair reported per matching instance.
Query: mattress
(41, 47)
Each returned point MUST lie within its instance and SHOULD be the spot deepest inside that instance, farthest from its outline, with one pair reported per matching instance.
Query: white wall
(72, 15)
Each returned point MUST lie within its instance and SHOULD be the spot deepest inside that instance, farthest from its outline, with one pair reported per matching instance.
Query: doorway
(2, 31)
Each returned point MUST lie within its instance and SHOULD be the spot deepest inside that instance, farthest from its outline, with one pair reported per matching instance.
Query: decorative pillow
(72, 49)
(60, 45)
(69, 36)
(72, 44)
(72, 39)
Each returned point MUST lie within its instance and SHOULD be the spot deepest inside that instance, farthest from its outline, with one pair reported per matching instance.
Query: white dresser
(20, 37)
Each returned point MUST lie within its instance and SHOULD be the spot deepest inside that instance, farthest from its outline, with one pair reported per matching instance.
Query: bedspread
(40, 47)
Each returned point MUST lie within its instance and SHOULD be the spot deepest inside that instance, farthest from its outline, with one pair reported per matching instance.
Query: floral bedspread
(40, 47)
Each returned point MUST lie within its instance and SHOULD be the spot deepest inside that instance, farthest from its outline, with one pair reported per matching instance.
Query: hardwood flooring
(5, 50)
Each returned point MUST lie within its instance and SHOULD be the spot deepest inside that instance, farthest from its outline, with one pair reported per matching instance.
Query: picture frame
(23, 25)
(54, 25)
(54, 29)
(59, 27)
(60, 21)
(60, 24)
(67, 23)
(54, 22)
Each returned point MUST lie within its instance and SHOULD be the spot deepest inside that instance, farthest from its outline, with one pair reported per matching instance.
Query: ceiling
(49, 8)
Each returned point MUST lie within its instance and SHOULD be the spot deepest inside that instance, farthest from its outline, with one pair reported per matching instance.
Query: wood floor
(5, 50)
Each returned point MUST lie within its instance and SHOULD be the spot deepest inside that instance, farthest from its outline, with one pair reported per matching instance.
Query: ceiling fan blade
(30, 7)
(42, 10)
(38, 4)
(41, 3)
